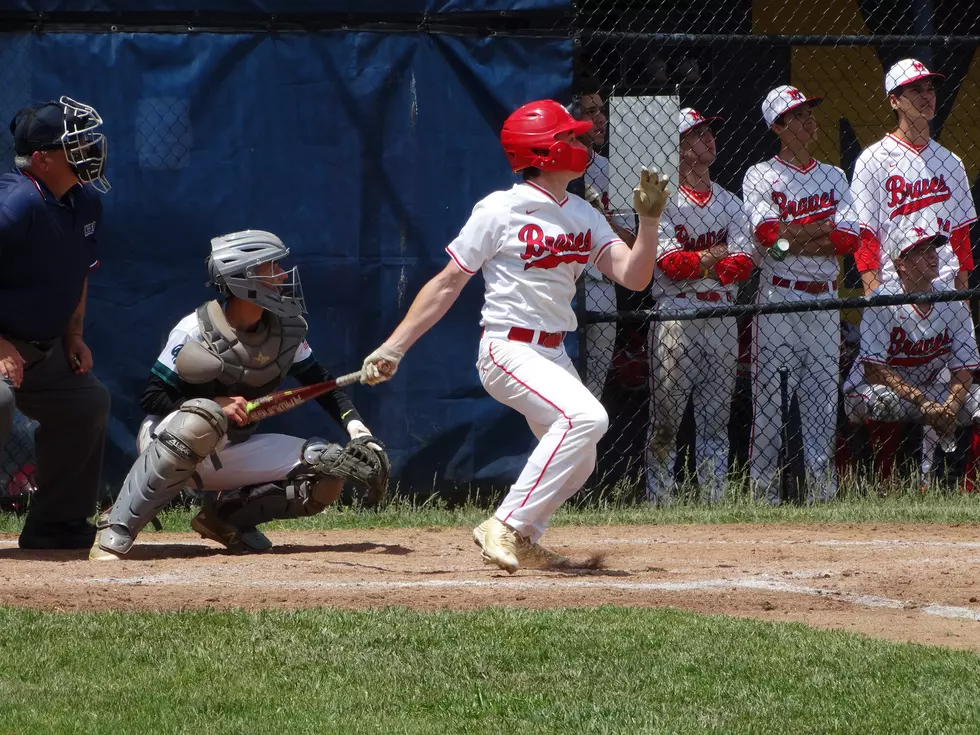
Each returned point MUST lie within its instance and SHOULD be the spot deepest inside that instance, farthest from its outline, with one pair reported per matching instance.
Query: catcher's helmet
(232, 267)
(529, 138)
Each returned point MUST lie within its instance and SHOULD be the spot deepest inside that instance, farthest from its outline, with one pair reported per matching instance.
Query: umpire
(49, 222)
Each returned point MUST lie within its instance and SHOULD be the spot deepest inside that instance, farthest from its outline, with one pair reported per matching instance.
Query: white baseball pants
(808, 345)
(542, 384)
(693, 359)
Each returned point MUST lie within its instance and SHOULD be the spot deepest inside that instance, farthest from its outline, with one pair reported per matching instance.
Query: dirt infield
(906, 583)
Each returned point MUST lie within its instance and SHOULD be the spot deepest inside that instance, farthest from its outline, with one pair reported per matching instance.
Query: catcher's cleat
(97, 553)
(211, 527)
(499, 544)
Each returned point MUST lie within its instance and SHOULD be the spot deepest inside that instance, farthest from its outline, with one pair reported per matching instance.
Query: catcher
(197, 431)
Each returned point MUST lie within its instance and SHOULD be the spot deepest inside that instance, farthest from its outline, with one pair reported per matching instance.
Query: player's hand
(234, 408)
(77, 353)
(11, 363)
(357, 428)
(650, 195)
(380, 365)
(710, 258)
(940, 416)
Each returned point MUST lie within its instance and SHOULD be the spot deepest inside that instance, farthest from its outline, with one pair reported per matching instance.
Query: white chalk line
(878, 543)
(764, 584)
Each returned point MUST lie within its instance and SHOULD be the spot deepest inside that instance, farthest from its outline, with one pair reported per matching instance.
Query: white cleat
(499, 543)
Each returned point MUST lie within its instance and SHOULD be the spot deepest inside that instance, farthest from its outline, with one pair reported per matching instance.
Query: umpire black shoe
(60, 535)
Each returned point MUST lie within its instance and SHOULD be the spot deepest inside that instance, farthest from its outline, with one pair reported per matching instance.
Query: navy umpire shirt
(47, 248)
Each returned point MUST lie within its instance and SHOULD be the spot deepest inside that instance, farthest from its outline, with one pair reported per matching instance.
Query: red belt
(805, 286)
(545, 339)
(706, 296)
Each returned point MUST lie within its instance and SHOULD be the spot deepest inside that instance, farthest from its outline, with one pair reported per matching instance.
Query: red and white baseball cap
(783, 99)
(911, 233)
(905, 72)
(691, 118)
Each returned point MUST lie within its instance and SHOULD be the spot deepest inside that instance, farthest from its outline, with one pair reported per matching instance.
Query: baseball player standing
(705, 248)
(531, 243)
(198, 431)
(897, 179)
(794, 205)
(916, 362)
(906, 173)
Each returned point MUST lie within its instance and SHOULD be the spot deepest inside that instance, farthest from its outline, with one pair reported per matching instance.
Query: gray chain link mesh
(701, 407)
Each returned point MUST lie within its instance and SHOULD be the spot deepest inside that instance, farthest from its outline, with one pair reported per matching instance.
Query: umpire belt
(805, 286)
(532, 336)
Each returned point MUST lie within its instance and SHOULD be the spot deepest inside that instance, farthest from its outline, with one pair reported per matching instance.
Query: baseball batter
(795, 198)
(531, 243)
(198, 432)
(907, 173)
(705, 249)
(916, 362)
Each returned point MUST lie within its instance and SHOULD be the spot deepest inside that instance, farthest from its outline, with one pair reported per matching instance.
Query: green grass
(492, 671)
(895, 506)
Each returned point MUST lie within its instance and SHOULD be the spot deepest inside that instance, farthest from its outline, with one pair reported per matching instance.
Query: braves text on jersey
(778, 191)
(531, 249)
(894, 181)
(916, 342)
(693, 222)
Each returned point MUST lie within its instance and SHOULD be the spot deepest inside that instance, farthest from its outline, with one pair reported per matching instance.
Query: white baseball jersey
(894, 180)
(692, 223)
(189, 328)
(532, 249)
(917, 345)
(777, 191)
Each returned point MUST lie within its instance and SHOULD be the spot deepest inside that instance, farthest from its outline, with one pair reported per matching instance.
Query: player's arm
(429, 306)
(879, 374)
(633, 267)
(864, 197)
(960, 382)
(740, 255)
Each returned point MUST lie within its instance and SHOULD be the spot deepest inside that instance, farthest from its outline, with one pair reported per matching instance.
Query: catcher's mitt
(363, 461)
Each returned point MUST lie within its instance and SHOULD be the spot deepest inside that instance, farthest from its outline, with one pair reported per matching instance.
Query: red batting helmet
(529, 138)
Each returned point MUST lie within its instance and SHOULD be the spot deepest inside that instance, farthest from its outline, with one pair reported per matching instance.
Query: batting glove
(650, 195)
(380, 365)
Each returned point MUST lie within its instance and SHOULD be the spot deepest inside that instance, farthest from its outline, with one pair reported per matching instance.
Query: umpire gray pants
(71, 411)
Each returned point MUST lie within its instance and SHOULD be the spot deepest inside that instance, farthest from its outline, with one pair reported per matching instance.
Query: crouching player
(198, 431)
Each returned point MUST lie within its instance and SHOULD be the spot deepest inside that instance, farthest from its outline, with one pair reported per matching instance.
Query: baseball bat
(285, 400)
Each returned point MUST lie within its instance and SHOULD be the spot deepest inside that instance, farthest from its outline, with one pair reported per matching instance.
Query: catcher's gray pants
(259, 459)
(867, 402)
(71, 410)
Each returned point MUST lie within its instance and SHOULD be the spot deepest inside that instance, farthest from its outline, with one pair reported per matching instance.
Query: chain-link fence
(817, 157)
(737, 364)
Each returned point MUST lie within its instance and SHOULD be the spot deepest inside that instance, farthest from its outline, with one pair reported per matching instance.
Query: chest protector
(249, 364)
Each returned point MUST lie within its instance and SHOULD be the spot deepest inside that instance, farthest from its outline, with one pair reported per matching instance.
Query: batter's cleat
(536, 556)
(499, 544)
